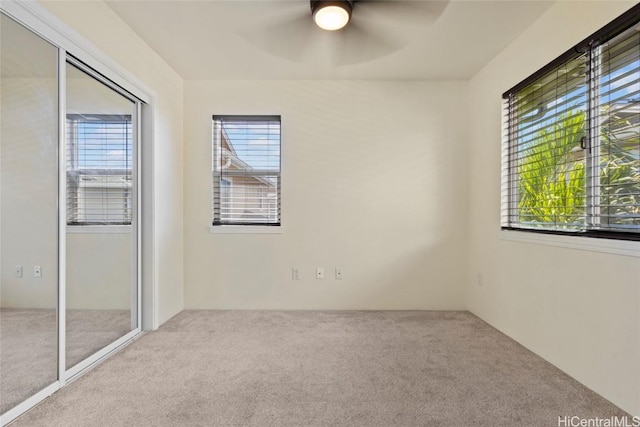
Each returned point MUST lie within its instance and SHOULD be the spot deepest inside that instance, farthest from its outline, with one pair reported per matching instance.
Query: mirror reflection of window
(99, 156)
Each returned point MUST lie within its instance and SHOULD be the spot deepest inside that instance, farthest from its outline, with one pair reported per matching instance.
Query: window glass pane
(546, 126)
(246, 170)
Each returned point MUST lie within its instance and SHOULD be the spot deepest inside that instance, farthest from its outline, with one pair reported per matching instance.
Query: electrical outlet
(319, 273)
(37, 271)
(18, 271)
(338, 273)
(295, 273)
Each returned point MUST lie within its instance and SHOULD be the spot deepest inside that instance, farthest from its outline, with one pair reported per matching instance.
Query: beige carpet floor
(29, 346)
(321, 368)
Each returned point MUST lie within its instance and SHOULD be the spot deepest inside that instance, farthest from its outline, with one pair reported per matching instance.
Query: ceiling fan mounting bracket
(317, 4)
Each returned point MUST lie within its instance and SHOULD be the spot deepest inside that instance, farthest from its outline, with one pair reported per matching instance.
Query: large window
(571, 157)
(99, 169)
(246, 170)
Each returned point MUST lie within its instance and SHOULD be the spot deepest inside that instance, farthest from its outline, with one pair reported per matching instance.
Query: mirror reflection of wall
(100, 199)
(28, 213)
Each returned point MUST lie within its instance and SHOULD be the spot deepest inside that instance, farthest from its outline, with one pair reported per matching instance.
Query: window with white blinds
(571, 152)
(246, 170)
(99, 156)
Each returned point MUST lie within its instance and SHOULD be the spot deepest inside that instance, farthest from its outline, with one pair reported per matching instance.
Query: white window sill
(245, 229)
(611, 246)
(99, 229)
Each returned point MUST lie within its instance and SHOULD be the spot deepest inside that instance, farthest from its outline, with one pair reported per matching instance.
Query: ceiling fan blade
(284, 36)
(401, 12)
(357, 44)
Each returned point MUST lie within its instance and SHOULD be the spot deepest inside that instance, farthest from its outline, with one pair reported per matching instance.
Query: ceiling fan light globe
(331, 18)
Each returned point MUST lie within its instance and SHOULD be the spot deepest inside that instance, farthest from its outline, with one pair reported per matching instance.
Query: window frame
(244, 227)
(509, 196)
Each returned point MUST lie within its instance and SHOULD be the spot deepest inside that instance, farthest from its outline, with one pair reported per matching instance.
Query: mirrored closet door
(101, 194)
(69, 217)
(28, 214)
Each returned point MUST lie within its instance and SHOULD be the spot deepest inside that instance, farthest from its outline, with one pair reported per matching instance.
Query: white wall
(580, 310)
(96, 22)
(373, 181)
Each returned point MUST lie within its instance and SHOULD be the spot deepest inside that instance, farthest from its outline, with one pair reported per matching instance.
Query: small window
(99, 169)
(571, 156)
(246, 170)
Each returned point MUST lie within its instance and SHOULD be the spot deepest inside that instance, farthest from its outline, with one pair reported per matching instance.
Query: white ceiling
(389, 40)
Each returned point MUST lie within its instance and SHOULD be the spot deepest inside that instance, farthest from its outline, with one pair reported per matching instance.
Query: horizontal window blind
(546, 130)
(571, 151)
(246, 170)
(99, 156)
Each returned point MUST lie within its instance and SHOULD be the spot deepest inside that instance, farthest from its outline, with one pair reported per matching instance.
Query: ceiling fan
(347, 32)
